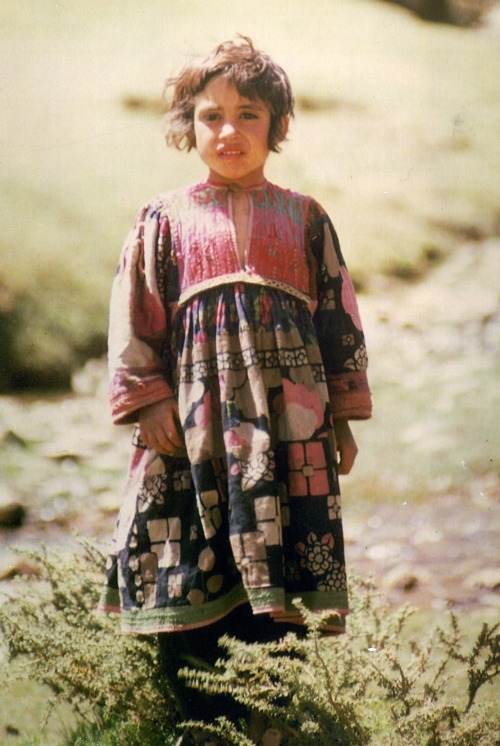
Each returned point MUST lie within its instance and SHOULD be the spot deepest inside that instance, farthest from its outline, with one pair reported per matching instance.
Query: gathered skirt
(252, 514)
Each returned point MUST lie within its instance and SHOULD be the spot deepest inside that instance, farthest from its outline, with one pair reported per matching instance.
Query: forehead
(221, 92)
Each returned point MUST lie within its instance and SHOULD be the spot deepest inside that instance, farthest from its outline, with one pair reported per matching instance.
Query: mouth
(230, 153)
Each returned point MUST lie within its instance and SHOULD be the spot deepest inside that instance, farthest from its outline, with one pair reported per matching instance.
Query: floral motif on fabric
(335, 579)
(153, 490)
(359, 361)
(258, 468)
(334, 509)
(317, 554)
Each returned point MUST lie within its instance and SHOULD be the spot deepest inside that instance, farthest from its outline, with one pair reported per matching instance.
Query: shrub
(375, 685)
(52, 631)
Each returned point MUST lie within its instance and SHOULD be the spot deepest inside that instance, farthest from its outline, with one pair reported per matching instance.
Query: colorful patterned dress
(260, 355)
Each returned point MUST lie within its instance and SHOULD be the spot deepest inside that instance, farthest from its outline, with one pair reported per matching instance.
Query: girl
(236, 346)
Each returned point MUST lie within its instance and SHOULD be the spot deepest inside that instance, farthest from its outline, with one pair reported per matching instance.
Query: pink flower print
(200, 337)
(349, 298)
(260, 466)
(265, 305)
(303, 412)
(203, 412)
(240, 436)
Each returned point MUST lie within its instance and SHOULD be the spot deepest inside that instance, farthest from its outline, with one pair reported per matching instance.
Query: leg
(197, 648)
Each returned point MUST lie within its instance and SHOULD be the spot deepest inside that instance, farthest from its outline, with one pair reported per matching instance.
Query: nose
(228, 128)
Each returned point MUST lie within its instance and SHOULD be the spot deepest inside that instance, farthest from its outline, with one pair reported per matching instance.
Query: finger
(174, 438)
(347, 459)
(171, 435)
(158, 440)
(171, 442)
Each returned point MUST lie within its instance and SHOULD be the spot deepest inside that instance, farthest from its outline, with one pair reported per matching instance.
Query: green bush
(372, 686)
(54, 634)
(375, 685)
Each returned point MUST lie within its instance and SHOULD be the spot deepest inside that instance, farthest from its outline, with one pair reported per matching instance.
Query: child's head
(255, 75)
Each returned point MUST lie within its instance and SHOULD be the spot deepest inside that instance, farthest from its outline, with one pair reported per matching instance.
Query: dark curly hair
(255, 75)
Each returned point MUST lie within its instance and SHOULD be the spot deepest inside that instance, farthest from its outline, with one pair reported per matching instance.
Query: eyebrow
(253, 105)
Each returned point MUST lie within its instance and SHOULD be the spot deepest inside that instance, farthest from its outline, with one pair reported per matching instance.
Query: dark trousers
(198, 648)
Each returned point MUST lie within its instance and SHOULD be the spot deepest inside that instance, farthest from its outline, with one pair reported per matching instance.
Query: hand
(346, 445)
(161, 427)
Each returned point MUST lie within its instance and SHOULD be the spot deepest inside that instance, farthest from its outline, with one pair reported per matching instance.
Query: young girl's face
(232, 133)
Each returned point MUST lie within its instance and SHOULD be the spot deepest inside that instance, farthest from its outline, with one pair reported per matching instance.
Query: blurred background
(396, 134)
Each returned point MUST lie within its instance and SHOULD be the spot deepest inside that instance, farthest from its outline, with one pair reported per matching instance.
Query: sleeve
(337, 322)
(139, 321)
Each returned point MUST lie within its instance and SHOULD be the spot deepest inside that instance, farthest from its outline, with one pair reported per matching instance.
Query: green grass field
(394, 134)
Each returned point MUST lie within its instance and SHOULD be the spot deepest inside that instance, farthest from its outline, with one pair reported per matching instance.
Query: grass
(32, 730)
(394, 135)
(427, 437)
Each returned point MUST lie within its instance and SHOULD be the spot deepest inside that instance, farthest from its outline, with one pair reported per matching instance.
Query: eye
(212, 117)
(249, 115)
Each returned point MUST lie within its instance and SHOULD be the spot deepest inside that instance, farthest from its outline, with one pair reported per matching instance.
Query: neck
(235, 187)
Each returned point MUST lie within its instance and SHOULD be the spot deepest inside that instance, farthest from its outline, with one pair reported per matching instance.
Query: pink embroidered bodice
(199, 222)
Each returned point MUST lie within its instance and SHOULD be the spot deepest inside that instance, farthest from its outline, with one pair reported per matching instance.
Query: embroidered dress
(260, 355)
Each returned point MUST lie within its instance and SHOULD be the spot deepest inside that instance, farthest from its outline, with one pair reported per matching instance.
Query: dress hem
(281, 608)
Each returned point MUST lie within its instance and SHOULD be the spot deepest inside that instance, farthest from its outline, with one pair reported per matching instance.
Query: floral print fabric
(253, 513)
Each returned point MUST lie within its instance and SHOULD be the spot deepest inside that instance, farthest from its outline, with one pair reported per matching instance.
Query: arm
(346, 445)
(337, 322)
(139, 323)
(340, 335)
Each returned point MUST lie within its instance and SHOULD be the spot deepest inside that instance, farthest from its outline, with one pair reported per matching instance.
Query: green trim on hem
(278, 599)
(273, 600)
(337, 601)
(109, 599)
(168, 618)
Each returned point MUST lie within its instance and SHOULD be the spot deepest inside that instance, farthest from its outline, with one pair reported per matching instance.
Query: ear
(279, 136)
(284, 124)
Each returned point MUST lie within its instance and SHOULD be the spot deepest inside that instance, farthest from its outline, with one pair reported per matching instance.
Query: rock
(89, 379)
(487, 577)
(406, 578)
(24, 566)
(384, 551)
(12, 515)
(11, 438)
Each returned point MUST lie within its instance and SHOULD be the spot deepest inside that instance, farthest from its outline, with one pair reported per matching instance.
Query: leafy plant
(375, 685)
(53, 633)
